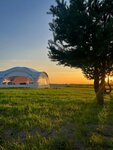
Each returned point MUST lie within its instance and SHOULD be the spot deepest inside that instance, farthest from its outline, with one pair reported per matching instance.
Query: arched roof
(21, 71)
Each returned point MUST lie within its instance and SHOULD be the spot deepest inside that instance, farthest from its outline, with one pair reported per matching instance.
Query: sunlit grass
(54, 119)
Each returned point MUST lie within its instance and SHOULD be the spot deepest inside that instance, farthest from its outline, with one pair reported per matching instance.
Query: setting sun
(110, 78)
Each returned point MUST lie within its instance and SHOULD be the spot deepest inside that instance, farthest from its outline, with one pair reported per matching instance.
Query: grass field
(55, 119)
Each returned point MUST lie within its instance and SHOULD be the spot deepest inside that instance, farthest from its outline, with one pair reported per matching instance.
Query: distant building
(23, 77)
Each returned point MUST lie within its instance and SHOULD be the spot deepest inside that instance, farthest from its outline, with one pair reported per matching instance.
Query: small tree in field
(83, 38)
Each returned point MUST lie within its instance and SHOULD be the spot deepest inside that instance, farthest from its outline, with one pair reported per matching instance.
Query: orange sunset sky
(57, 73)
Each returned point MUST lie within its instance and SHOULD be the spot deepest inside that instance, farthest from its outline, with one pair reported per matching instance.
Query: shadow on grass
(80, 123)
(102, 135)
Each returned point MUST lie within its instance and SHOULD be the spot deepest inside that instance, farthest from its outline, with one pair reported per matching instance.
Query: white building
(23, 77)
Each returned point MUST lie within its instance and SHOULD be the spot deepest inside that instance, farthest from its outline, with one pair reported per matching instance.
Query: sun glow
(110, 78)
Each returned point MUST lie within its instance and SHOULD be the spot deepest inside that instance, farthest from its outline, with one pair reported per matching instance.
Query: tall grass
(54, 119)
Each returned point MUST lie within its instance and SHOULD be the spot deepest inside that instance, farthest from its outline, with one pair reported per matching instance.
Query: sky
(24, 35)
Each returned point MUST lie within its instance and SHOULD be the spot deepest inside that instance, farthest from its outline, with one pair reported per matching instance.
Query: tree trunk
(99, 88)
(96, 80)
(100, 94)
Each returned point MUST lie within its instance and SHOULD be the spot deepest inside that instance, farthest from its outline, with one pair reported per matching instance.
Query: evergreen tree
(83, 38)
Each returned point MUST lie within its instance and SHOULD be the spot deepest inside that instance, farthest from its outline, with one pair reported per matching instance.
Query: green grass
(55, 119)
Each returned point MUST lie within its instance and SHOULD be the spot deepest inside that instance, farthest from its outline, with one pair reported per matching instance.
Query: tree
(83, 38)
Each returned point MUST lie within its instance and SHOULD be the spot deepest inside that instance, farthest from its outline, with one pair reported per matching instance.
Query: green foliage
(83, 35)
(54, 119)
